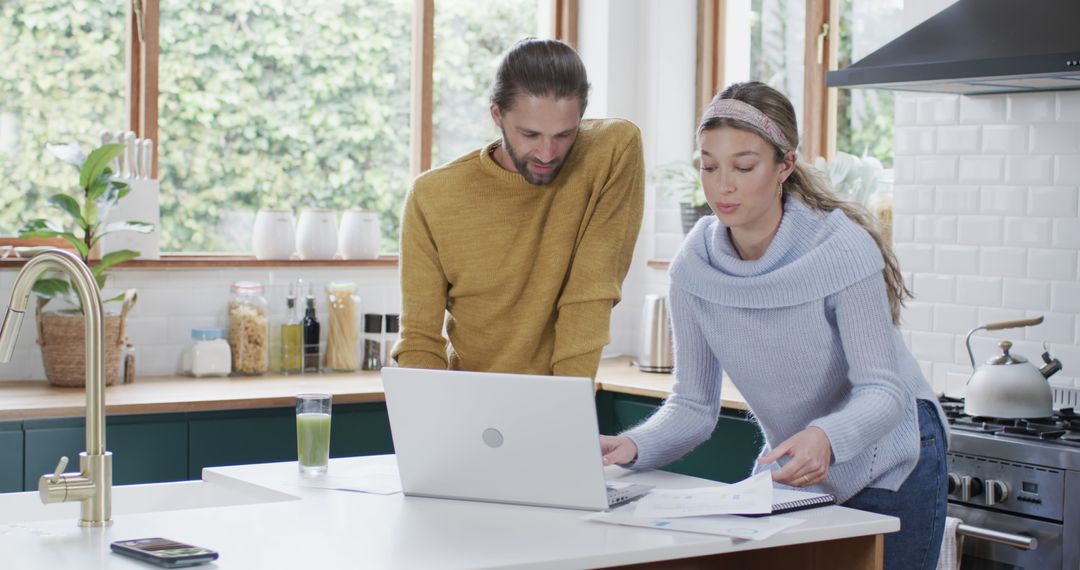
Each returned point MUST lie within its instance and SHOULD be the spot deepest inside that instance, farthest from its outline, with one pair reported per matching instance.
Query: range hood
(978, 46)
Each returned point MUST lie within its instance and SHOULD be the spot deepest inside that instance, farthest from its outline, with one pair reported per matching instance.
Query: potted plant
(60, 333)
(682, 181)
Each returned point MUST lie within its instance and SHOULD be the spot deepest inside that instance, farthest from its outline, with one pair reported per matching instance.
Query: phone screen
(164, 552)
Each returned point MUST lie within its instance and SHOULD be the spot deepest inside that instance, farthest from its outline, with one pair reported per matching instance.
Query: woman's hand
(617, 449)
(810, 452)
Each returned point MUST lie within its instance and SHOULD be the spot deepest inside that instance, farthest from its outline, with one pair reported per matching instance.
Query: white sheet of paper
(753, 495)
(375, 479)
(758, 528)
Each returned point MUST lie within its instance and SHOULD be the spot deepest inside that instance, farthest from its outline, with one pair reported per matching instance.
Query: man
(521, 247)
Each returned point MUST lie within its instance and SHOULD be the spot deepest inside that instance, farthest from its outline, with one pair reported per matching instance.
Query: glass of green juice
(313, 433)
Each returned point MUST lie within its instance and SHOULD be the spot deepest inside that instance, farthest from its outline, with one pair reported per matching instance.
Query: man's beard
(522, 165)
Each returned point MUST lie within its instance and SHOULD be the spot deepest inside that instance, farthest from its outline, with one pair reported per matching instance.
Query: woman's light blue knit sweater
(806, 335)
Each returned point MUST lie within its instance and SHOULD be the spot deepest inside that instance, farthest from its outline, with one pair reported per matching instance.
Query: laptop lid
(507, 438)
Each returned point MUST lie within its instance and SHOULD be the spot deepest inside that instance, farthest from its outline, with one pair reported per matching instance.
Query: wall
(987, 226)
(173, 301)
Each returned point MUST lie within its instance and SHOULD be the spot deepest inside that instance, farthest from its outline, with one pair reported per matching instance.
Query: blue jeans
(920, 502)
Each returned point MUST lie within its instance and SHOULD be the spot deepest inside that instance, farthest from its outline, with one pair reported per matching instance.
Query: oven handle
(1015, 540)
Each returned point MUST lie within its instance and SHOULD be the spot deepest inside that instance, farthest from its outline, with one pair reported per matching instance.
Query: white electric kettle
(1007, 385)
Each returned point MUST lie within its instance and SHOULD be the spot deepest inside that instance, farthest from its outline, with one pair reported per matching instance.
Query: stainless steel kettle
(655, 352)
(1007, 385)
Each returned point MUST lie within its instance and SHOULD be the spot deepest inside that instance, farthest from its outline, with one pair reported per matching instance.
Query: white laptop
(506, 438)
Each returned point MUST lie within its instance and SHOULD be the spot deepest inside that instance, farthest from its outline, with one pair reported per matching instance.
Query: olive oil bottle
(292, 337)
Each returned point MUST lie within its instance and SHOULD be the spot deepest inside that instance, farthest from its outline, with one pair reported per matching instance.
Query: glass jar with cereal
(248, 328)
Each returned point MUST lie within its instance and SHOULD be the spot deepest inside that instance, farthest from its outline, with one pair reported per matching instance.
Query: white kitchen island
(331, 529)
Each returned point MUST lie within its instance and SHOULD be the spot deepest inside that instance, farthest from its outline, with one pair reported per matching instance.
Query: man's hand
(617, 449)
(810, 452)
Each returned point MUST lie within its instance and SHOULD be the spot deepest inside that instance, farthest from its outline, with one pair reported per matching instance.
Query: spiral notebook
(804, 503)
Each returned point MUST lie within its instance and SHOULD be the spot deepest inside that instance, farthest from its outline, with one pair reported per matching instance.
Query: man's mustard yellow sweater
(524, 275)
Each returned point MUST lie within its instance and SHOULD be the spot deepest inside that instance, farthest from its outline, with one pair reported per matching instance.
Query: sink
(132, 499)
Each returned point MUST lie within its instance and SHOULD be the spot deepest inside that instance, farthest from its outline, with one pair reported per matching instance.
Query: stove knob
(970, 487)
(954, 482)
(996, 492)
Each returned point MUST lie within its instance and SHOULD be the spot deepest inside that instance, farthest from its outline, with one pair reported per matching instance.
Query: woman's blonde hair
(806, 182)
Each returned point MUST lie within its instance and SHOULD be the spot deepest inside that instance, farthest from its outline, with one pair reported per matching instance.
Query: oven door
(986, 554)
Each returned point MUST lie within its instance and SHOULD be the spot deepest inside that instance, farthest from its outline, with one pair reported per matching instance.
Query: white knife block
(142, 204)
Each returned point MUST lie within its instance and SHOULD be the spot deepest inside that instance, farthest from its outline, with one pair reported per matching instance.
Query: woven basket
(62, 337)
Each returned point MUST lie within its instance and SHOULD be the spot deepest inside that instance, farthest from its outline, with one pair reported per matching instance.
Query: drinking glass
(313, 433)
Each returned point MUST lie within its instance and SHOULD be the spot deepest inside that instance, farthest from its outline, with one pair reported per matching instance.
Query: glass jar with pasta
(249, 331)
(343, 327)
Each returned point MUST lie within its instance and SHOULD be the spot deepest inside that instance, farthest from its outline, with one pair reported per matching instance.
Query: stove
(1015, 483)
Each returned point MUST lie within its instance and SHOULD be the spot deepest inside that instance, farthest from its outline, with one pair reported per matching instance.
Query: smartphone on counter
(164, 552)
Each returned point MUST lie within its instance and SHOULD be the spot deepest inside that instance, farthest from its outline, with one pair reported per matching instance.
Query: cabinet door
(11, 457)
(145, 448)
(240, 437)
(360, 429)
(728, 455)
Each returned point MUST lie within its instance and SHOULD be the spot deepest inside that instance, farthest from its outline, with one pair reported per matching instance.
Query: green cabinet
(11, 457)
(728, 455)
(146, 448)
(360, 429)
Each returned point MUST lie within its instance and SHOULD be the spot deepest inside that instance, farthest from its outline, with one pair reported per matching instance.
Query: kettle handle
(999, 326)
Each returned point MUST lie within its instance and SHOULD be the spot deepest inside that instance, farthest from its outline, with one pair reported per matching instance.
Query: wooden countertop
(20, 400)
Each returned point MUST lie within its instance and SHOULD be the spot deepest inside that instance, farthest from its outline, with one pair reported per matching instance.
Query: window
(62, 79)
(777, 32)
(268, 103)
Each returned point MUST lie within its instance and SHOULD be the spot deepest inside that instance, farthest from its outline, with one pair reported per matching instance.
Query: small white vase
(316, 234)
(274, 234)
(360, 236)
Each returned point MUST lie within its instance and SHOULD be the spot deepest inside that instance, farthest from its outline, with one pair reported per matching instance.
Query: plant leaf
(70, 153)
(51, 287)
(97, 162)
(83, 249)
(119, 297)
(97, 189)
(69, 205)
(100, 281)
(112, 258)
(90, 213)
(140, 227)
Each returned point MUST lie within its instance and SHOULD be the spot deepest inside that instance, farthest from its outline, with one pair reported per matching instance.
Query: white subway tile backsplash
(1026, 294)
(935, 347)
(936, 169)
(1068, 106)
(935, 229)
(1054, 138)
(1003, 261)
(932, 288)
(981, 169)
(1003, 200)
(918, 316)
(913, 140)
(1066, 233)
(956, 319)
(1056, 327)
(903, 169)
(981, 110)
(1027, 232)
(979, 291)
(1065, 297)
(905, 104)
(956, 200)
(956, 259)
(147, 330)
(1030, 107)
(1004, 139)
(956, 139)
(979, 230)
(903, 228)
(1052, 201)
(937, 109)
(1067, 169)
(1051, 264)
(913, 199)
(915, 257)
(1029, 170)
(668, 244)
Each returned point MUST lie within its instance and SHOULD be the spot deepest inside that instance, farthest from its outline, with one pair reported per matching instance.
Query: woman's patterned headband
(746, 113)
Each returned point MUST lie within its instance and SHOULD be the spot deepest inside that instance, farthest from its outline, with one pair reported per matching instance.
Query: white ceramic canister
(316, 234)
(360, 236)
(274, 236)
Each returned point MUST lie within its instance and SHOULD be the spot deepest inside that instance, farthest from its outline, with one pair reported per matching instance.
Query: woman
(793, 293)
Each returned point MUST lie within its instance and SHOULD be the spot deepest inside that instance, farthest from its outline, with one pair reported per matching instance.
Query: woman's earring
(780, 189)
